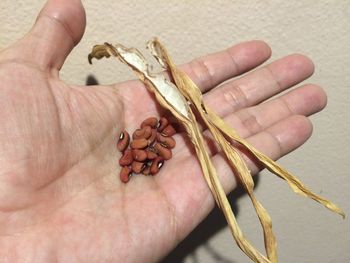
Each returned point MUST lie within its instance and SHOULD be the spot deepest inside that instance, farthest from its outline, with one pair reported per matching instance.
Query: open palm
(61, 198)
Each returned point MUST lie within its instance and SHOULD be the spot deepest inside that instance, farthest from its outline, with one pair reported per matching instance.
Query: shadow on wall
(91, 80)
(208, 228)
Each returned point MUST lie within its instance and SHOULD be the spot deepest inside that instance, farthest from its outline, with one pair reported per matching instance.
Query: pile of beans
(148, 148)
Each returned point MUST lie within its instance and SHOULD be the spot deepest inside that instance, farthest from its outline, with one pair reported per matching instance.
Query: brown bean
(138, 134)
(151, 154)
(137, 167)
(123, 142)
(125, 174)
(139, 143)
(146, 170)
(153, 137)
(144, 132)
(151, 121)
(163, 151)
(167, 142)
(163, 122)
(156, 165)
(127, 158)
(168, 130)
(139, 155)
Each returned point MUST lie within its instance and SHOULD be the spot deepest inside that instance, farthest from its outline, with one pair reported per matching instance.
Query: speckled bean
(156, 165)
(167, 142)
(139, 155)
(151, 153)
(144, 132)
(139, 143)
(146, 170)
(153, 137)
(163, 122)
(168, 130)
(163, 151)
(125, 174)
(137, 167)
(126, 159)
(123, 142)
(151, 121)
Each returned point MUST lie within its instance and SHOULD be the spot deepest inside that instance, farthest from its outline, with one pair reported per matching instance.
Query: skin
(61, 198)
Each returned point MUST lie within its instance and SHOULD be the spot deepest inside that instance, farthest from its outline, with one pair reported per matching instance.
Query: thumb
(58, 28)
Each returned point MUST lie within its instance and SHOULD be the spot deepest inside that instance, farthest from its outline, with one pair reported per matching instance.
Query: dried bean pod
(137, 167)
(163, 122)
(151, 154)
(163, 151)
(125, 174)
(139, 155)
(139, 143)
(123, 142)
(151, 121)
(167, 142)
(156, 165)
(126, 159)
(144, 132)
(168, 130)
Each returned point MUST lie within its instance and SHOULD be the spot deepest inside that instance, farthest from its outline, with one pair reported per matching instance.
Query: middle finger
(259, 85)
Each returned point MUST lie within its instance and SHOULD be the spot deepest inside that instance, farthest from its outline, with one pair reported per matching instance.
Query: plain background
(306, 232)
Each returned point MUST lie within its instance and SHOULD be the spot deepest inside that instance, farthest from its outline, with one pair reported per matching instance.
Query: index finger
(210, 70)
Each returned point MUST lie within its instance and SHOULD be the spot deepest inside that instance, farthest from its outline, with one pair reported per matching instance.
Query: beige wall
(306, 232)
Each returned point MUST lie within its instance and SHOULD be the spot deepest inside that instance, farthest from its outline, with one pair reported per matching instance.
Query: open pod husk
(176, 98)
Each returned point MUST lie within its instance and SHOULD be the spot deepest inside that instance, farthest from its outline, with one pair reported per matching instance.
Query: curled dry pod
(168, 142)
(137, 167)
(144, 132)
(139, 143)
(126, 158)
(125, 174)
(169, 130)
(163, 122)
(156, 165)
(151, 121)
(151, 154)
(163, 151)
(139, 155)
(123, 142)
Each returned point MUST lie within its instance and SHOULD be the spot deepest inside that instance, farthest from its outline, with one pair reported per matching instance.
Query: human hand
(61, 198)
